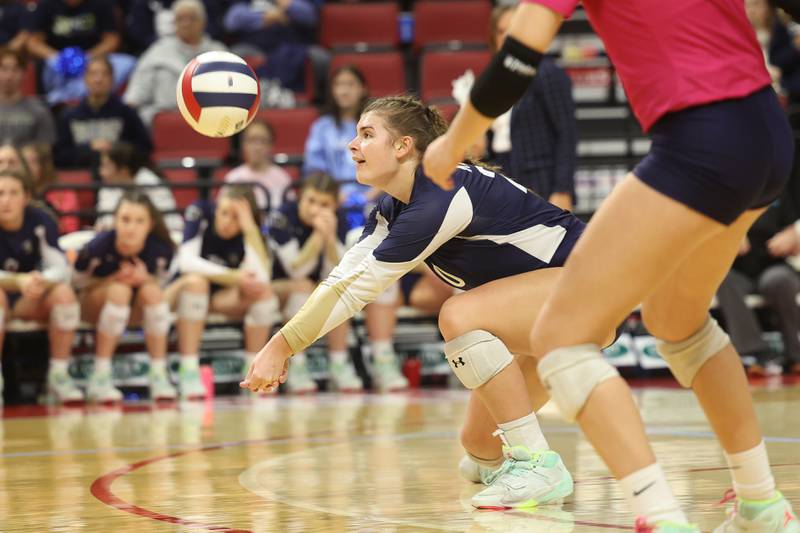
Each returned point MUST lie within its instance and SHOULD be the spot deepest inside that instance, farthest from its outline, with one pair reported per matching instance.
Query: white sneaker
(386, 374)
(526, 479)
(190, 385)
(298, 380)
(161, 388)
(766, 516)
(475, 473)
(344, 377)
(61, 388)
(102, 390)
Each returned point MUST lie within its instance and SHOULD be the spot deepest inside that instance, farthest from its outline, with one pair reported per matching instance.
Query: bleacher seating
(384, 71)
(439, 68)
(174, 140)
(359, 26)
(452, 23)
(184, 196)
(291, 128)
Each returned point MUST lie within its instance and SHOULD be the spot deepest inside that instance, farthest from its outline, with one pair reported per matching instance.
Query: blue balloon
(71, 62)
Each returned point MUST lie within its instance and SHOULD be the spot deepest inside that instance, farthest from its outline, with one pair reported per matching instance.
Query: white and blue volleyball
(218, 94)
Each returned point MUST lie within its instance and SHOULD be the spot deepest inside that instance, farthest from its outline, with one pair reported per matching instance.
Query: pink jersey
(673, 54)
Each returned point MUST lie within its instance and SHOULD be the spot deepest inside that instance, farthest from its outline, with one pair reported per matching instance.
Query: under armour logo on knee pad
(458, 362)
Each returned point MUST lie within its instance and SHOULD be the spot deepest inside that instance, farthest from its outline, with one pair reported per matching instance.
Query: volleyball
(218, 94)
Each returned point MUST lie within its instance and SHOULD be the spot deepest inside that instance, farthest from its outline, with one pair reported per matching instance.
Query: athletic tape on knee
(263, 313)
(571, 374)
(687, 357)
(113, 319)
(193, 306)
(389, 296)
(294, 302)
(156, 319)
(65, 317)
(477, 357)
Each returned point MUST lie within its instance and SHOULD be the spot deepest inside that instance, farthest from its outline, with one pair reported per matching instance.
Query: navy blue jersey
(204, 252)
(34, 247)
(289, 234)
(99, 258)
(486, 228)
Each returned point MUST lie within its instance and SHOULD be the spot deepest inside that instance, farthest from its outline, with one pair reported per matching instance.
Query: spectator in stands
(39, 158)
(541, 127)
(23, 119)
(11, 159)
(65, 34)
(308, 238)
(149, 20)
(13, 25)
(98, 121)
(224, 265)
(123, 164)
(326, 147)
(34, 275)
(120, 274)
(152, 86)
(761, 268)
(281, 30)
(258, 167)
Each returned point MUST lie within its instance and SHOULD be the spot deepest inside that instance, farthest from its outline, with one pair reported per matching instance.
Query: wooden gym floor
(336, 463)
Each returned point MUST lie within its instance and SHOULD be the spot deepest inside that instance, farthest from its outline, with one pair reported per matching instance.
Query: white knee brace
(571, 374)
(389, 296)
(113, 319)
(156, 319)
(193, 306)
(65, 317)
(476, 357)
(263, 313)
(687, 357)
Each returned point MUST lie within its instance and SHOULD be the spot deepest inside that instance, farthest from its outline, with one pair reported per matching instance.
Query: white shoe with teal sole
(386, 374)
(526, 479)
(344, 377)
(190, 385)
(62, 389)
(760, 516)
(298, 380)
(161, 388)
(101, 390)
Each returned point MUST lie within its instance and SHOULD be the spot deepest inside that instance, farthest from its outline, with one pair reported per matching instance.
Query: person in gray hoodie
(152, 87)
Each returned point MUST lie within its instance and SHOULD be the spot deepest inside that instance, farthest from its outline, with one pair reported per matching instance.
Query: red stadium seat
(29, 80)
(359, 25)
(173, 140)
(464, 22)
(440, 68)
(291, 128)
(385, 71)
(448, 110)
(86, 197)
(184, 196)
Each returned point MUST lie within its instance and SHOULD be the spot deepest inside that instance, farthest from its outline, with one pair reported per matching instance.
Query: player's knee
(156, 319)
(685, 358)
(571, 374)
(151, 294)
(113, 319)
(62, 294)
(119, 294)
(452, 319)
(476, 357)
(196, 284)
(65, 315)
(673, 322)
(193, 305)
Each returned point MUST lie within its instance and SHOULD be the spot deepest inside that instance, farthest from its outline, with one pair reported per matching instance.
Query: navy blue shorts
(407, 284)
(723, 158)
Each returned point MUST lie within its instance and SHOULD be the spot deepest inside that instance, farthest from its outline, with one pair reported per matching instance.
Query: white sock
(526, 432)
(650, 496)
(491, 464)
(102, 365)
(59, 366)
(382, 350)
(158, 366)
(338, 356)
(299, 358)
(752, 476)
(190, 362)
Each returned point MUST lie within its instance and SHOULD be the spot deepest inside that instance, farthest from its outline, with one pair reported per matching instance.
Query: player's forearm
(11, 281)
(309, 252)
(334, 251)
(256, 249)
(38, 48)
(107, 45)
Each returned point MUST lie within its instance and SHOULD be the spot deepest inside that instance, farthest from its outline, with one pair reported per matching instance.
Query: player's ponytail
(159, 228)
